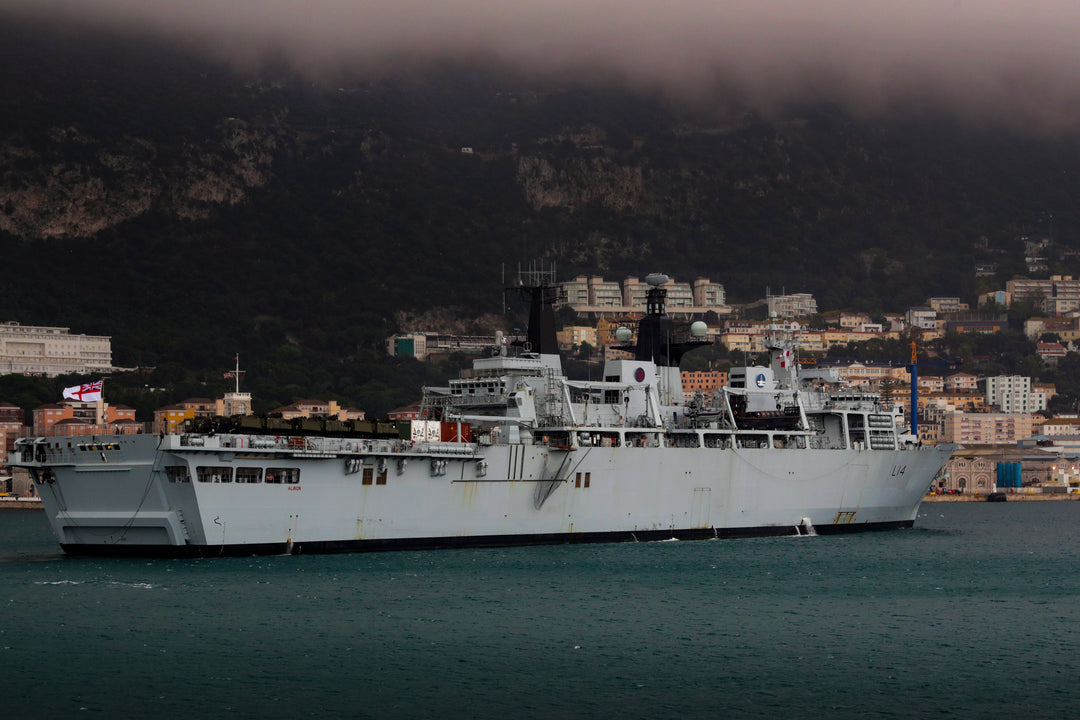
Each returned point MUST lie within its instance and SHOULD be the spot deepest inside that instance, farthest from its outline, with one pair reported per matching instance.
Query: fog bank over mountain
(989, 61)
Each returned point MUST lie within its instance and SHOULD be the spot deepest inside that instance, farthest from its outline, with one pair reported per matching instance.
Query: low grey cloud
(998, 60)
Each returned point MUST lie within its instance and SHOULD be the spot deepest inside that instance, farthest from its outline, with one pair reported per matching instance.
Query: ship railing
(825, 442)
(309, 444)
(444, 448)
(476, 399)
(80, 430)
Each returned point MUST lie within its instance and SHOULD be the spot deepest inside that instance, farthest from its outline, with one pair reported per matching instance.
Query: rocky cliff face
(574, 182)
(77, 186)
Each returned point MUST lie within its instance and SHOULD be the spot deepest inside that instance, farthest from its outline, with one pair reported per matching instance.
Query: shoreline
(1009, 497)
(21, 504)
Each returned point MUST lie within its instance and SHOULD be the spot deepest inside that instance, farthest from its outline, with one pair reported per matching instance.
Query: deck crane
(913, 368)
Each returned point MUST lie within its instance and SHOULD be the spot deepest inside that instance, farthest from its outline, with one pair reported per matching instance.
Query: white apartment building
(924, 318)
(52, 351)
(1013, 394)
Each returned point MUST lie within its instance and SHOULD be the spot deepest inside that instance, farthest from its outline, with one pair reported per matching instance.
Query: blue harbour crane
(913, 368)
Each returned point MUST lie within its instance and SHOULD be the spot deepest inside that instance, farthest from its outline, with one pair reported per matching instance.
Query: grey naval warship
(511, 453)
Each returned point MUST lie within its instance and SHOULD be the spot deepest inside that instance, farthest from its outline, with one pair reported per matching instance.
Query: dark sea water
(972, 614)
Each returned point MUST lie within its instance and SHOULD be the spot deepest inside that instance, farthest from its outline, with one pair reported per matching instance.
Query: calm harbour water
(972, 614)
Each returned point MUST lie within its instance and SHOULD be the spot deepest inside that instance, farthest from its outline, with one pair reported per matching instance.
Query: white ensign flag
(88, 392)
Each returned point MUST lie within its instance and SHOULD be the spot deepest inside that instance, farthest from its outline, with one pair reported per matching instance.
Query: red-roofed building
(1050, 352)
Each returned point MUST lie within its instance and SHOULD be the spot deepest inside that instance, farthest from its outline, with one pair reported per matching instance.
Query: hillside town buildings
(1013, 393)
(318, 409)
(1054, 295)
(51, 351)
(595, 297)
(998, 412)
(987, 428)
(789, 307)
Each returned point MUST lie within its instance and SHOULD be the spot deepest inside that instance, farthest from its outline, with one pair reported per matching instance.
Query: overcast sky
(1005, 60)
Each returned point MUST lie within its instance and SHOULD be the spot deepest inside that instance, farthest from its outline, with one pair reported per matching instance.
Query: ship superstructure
(512, 452)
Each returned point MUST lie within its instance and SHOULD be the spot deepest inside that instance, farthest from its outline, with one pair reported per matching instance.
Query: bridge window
(716, 441)
(177, 473)
(283, 476)
(213, 474)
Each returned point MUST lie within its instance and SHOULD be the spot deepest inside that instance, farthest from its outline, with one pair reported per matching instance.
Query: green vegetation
(191, 214)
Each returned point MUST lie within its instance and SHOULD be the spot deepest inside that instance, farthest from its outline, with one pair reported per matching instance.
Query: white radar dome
(623, 334)
(698, 329)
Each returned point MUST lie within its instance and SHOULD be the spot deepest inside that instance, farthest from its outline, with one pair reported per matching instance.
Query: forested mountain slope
(192, 212)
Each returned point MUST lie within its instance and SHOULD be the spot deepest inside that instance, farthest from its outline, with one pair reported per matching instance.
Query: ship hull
(126, 499)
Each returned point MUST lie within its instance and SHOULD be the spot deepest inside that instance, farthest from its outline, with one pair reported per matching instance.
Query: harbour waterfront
(973, 613)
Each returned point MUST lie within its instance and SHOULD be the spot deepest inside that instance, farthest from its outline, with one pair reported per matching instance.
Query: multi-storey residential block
(924, 318)
(988, 428)
(1058, 294)
(11, 426)
(708, 294)
(603, 293)
(52, 351)
(76, 418)
(952, 401)
(961, 382)
(868, 376)
(1029, 289)
(1048, 389)
(1013, 394)
(1066, 328)
(947, 304)
(931, 384)
(634, 292)
(703, 381)
(574, 335)
(791, 306)
(575, 292)
(598, 297)
(742, 340)
(830, 338)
